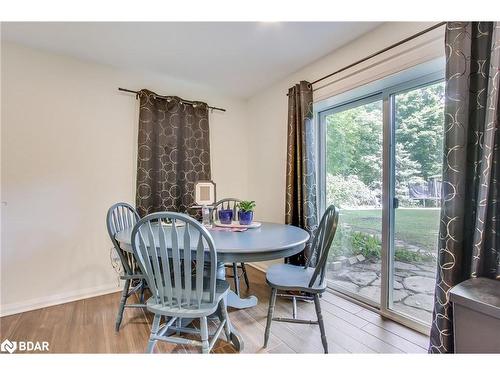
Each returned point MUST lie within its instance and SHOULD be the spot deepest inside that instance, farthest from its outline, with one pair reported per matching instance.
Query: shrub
(367, 245)
(404, 255)
(351, 243)
(350, 191)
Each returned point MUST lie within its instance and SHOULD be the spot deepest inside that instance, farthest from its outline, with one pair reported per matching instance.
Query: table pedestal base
(233, 300)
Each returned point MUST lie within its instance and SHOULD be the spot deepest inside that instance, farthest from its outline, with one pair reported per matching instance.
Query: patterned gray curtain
(470, 223)
(173, 152)
(301, 203)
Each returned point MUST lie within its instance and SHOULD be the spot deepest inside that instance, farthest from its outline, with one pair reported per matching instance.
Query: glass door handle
(395, 203)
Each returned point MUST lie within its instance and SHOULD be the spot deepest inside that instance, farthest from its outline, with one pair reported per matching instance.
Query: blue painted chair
(232, 204)
(308, 279)
(183, 283)
(119, 217)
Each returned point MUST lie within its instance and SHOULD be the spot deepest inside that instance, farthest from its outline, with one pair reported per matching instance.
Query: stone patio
(413, 289)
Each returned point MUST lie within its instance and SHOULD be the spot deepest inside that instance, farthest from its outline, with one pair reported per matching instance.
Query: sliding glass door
(416, 188)
(381, 163)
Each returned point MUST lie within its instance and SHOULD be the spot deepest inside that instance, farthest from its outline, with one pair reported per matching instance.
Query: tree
(407, 172)
(348, 192)
(354, 144)
(419, 127)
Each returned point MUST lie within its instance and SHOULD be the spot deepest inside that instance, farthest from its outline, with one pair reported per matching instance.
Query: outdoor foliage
(350, 243)
(415, 226)
(350, 190)
(354, 144)
(368, 245)
(354, 147)
(419, 127)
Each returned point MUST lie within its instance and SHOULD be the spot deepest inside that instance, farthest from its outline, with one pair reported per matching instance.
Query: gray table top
(270, 241)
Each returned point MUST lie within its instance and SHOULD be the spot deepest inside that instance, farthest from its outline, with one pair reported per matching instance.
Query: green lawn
(414, 226)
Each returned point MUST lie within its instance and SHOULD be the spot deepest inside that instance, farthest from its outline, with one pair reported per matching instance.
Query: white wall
(68, 143)
(267, 113)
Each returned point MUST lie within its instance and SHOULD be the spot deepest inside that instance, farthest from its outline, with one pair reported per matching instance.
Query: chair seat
(296, 278)
(221, 289)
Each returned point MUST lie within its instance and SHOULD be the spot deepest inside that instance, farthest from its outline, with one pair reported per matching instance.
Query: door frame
(387, 95)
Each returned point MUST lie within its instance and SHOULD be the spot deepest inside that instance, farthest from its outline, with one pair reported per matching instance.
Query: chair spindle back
(121, 216)
(172, 250)
(226, 204)
(322, 242)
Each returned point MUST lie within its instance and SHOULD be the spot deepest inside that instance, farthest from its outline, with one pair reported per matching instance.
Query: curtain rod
(165, 97)
(381, 51)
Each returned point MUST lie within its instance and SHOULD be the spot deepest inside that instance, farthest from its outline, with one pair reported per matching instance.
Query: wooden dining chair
(232, 204)
(178, 256)
(308, 279)
(119, 217)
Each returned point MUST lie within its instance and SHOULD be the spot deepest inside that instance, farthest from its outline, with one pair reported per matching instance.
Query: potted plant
(246, 212)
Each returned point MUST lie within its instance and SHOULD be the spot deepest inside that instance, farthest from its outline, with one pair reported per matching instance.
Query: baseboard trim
(57, 299)
(257, 267)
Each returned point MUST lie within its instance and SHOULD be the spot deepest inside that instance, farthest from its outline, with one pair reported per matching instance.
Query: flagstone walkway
(413, 287)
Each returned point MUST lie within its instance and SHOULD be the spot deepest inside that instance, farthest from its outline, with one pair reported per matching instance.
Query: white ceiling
(236, 58)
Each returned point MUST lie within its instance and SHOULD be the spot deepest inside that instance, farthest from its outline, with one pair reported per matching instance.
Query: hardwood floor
(87, 326)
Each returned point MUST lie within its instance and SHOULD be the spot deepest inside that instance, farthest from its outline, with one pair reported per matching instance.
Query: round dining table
(267, 242)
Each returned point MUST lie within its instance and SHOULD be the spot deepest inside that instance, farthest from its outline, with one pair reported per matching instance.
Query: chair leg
(178, 324)
(204, 335)
(270, 313)
(222, 313)
(245, 276)
(236, 279)
(154, 331)
(143, 288)
(123, 300)
(320, 322)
